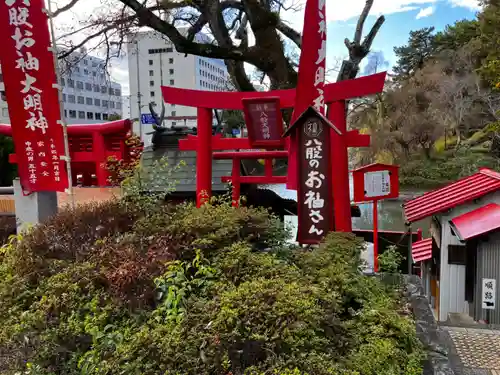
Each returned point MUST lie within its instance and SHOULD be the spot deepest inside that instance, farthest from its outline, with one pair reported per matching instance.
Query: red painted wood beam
(119, 126)
(354, 139)
(257, 179)
(343, 90)
(218, 143)
(340, 169)
(251, 155)
(204, 157)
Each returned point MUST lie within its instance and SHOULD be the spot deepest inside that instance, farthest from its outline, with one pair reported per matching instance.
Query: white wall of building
(153, 62)
(88, 95)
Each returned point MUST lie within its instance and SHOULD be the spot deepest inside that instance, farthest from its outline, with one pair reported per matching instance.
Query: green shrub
(424, 173)
(445, 143)
(114, 289)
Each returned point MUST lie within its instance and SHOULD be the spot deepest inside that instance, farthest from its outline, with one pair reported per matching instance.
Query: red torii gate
(336, 95)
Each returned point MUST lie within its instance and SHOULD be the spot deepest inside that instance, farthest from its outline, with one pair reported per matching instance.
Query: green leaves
(181, 290)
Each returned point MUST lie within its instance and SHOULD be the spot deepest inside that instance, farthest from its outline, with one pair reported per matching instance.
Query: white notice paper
(489, 294)
(377, 184)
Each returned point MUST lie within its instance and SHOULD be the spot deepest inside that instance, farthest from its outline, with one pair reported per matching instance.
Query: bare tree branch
(290, 33)
(357, 50)
(64, 8)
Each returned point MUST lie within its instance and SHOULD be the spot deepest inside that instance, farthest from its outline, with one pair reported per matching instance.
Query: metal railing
(6, 190)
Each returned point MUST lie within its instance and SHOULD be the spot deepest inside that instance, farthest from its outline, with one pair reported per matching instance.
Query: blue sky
(396, 28)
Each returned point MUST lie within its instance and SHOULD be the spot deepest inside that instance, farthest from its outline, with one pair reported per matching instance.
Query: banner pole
(62, 121)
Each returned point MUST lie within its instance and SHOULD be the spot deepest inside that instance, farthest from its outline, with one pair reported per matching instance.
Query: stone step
(460, 319)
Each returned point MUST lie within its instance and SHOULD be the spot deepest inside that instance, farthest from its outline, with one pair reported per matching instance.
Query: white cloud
(471, 4)
(345, 10)
(425, 12)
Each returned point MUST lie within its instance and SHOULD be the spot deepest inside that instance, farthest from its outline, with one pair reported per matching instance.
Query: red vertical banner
(32, 95)
(311, 81)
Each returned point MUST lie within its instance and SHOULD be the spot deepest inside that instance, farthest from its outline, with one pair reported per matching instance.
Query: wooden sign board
(314, 193)
(264, 122)
(376, 182)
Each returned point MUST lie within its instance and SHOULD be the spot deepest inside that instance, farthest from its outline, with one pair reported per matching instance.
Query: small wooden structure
(89, 147)
(464, 248)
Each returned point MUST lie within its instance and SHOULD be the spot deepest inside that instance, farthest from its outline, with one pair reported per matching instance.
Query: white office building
(153, 62)
(89, 96)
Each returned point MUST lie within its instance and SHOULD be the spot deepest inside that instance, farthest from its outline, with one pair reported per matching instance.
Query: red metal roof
(421, 250)
(467, 189)
(474, 223)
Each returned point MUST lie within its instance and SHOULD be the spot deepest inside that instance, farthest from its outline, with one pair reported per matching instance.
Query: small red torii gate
(205, 144)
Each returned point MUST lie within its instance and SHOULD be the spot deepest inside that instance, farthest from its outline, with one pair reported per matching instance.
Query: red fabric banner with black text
(32, 97)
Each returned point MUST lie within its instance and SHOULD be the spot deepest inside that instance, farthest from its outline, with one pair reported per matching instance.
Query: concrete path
(478, 349)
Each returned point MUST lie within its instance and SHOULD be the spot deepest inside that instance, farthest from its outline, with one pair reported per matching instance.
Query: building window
(94, 64)
(64, 97)
(170, 71)
(151, 73)
(118, 105)
(71, 83)
(172, 113)
(71, 98)
(457, 254)
(111, 91)
(150, 62)
(97, 88)
(94, 74)
(151, 83)
(170, 61)
(152, 94)
(77, 69)
(85, 62)
(72, 113)
(88, 86)
(63, 83)
(81, 100)
(90, 115)
(81, 114)
(97, 102)
(172, 82)
(103, 90)
(65, 113)
(118, 92)
(79, 85)
(160, 50)
(105, 103)
(111, 104)
(104, 116)
(97, 116)
(89, 101)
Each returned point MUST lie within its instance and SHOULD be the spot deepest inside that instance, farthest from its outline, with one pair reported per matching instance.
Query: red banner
(32, 95)
(311, 81)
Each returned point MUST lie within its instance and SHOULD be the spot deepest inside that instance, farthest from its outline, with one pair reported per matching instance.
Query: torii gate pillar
(340, 168)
